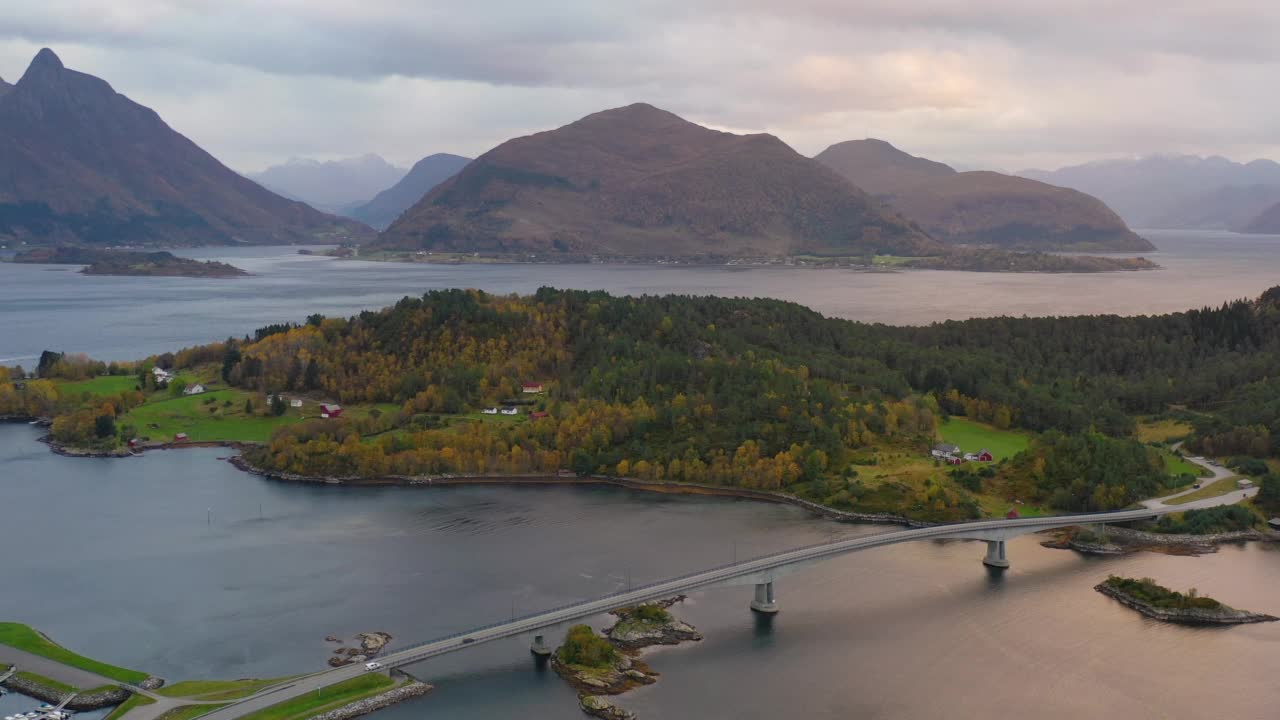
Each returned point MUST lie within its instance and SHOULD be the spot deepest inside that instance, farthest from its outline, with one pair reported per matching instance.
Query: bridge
(761, 572)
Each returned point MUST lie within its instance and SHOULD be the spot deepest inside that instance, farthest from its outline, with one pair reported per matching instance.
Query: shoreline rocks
(412, 689)
(602, 708)
(1185, 616)
(1122, 540)
(369, 645)
(81, 702)
(626, 673)
(632, 633)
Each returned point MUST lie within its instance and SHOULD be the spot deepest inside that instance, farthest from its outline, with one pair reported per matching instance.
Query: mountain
(638, 181)
(1229, 207)
(333, 186)
(1152, 191)
(4, 87)
(427, 173)
(84, 164)
(1266, 222)
(981, 207)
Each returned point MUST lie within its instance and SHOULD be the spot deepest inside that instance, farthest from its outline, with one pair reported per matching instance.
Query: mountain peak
(47, 58)
(880, 168)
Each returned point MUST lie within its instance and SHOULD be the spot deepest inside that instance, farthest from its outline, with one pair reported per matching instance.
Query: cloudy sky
(1005, 84)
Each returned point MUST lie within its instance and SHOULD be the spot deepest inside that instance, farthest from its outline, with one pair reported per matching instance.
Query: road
(1220, 474)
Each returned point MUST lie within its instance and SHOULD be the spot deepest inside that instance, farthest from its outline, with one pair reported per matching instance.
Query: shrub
(582, 646)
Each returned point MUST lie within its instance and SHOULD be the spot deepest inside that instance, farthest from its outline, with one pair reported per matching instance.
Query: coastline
(1188, 616)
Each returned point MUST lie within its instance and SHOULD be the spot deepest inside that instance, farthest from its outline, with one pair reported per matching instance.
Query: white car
(373, 666)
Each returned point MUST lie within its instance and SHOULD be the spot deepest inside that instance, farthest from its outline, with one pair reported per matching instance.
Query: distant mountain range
(4, 87)
(981, 207)
(638, 181)
(336, 186)
(1180, 191)
(427, 173)
(80, 163)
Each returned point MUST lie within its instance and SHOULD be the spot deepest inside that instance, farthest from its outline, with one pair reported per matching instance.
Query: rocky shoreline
(674, 488)
(81, 702)
(1184, 616)
(411, 689)
(630, 633)
(368, 646)
(1122, 540)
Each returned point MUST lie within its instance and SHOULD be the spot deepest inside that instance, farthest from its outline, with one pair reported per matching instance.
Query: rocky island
(1161, 603)
(128, 262)
(601, 665)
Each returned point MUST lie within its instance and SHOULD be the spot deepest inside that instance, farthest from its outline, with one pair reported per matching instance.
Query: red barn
(330, 411)
(539, 415)
(180, 437)
(1012, 514)
(985, 456)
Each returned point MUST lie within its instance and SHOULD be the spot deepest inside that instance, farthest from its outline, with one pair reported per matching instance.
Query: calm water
(179, 564)
(54, 307)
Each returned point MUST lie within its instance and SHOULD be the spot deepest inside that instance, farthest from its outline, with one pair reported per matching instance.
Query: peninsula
(129, 262)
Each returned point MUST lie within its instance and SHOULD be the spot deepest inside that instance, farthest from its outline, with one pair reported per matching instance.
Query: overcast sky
(1005, 84)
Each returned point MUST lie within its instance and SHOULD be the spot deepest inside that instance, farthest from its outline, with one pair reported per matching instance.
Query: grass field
(1177, 465)
(973, 436)
(996, 506)
(1217, 489)
(217, 689)
(99, 386)
(326, 699)
(1150, 431)
(24, 637)
(134, 701)
(203, 421)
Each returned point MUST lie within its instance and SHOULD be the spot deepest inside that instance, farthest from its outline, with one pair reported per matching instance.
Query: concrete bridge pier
(540, 647)
(996, 556)
(764, 601)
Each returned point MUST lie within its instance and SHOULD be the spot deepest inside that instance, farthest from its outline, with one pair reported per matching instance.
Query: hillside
(1267, 222)
(84, 164)
(641, 182)
(1229, 207)
(4, 87)
(1152, 191)
(333, 186)
(427, 173)
(981, 208)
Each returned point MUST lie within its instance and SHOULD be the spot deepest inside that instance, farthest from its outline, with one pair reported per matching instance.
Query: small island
(1160, 603)
(600, 665)
(993, 260)
(129, 262)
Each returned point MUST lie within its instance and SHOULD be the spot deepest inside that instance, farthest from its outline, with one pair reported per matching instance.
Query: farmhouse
(295, 403)
(489, 411)
(330, 411)
(534, 387)
(510, 411)
(945, 450)
(161, 375)
(194, 389)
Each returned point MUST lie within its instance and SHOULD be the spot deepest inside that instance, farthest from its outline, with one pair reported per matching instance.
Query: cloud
(983, 83)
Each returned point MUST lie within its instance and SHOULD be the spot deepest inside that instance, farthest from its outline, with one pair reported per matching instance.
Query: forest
(753, 393)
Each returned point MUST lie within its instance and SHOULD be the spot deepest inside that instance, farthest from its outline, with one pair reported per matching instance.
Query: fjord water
(179, 564)
(114, 318)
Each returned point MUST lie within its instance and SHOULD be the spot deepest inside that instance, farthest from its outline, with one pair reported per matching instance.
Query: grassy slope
(207, 422)
(1163, 430)
(186, 712)
(1217, 489)
(25, 638)
(99, 386)
(1177, 465)
(134, 701)
(328, 698)
(217, 689)
(973, 436)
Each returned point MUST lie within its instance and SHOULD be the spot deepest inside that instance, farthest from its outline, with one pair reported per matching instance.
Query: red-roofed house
(330, 411)
(539, 415)
(534, 387)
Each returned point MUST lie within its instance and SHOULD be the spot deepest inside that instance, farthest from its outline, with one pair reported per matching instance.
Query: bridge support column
(539, 646)
(764, 602)
(996, 556)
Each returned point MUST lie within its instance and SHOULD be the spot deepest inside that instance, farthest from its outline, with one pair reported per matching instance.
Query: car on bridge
(371, 666)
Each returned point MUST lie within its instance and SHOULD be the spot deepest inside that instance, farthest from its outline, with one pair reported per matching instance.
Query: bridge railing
(666, 581)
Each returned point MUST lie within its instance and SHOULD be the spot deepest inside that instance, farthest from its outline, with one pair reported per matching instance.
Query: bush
(650, 613)
(582, 646)
(1248, 466)
(1148, 591)
(1224, 518)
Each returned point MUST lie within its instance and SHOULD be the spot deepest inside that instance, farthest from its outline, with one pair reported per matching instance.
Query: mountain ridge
(641, 181)
(88, 165)
(981, 207)
(425, 174)
(335, 186)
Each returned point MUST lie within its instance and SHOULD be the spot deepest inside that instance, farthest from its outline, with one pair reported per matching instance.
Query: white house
(295, 403)
(489, 411)
(510, 411)
(1244, 483)
(161, 375)
(945, 450)
(195, 389)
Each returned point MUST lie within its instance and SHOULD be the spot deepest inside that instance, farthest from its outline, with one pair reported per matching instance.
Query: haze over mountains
(640, 181)
(1179, 191)
(80, 163)
(428, 172)
(335, 186)
(981, 207)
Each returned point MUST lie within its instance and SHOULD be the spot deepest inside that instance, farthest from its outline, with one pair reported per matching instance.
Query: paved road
(1220, 474)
